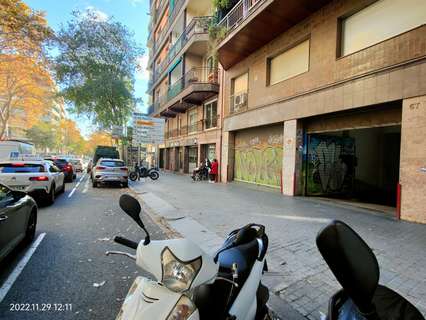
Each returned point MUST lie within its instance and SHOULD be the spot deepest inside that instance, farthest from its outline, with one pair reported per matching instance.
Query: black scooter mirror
(131, 206)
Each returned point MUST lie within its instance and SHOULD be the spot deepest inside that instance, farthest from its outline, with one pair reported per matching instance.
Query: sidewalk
(298, 273)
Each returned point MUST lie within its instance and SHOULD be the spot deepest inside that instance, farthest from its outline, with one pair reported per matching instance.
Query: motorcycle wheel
(133, 176)
(154, 175)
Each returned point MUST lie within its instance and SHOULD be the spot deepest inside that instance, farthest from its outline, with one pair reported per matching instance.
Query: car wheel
(94, 184)
(50, 197)
(31, 227)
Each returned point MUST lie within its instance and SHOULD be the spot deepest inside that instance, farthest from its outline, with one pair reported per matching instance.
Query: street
(70, 259)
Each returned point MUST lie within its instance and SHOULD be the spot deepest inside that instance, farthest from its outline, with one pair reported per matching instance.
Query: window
(239, 93)
(192, 121)
(289, 63)
(380, 21)
(210, 114)
(111, 163)
(210, 64)
(21, 168)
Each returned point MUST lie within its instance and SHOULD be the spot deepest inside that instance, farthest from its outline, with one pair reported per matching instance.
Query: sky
(132, 13)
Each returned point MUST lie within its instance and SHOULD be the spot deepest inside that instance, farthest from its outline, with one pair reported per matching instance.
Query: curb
(176, 224)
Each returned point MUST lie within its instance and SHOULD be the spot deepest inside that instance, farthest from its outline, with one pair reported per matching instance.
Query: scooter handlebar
(126, 242)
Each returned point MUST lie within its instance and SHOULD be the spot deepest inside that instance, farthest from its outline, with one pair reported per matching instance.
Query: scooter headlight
(182, 310)
(178, 275)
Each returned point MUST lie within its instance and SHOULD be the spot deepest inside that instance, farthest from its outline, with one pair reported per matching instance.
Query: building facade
(184, 82)
(327, 98)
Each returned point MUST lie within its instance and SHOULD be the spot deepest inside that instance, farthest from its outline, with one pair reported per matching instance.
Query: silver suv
(110, 171)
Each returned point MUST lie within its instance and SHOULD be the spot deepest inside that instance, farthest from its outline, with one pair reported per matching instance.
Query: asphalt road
(61, 273)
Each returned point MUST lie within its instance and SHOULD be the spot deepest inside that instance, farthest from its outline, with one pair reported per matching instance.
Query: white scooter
(189, 283)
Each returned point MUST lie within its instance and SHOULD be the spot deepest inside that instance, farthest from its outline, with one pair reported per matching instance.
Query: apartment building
(327, 98)
(184, 82)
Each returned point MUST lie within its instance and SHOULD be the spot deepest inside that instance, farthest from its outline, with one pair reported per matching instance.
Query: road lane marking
(76, 186)
(20, 266)
(86, 186)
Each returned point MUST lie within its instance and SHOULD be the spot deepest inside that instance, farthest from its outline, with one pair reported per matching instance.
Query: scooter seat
(391, 305)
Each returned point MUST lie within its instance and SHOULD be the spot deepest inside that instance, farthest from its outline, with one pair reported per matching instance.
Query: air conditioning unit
(240, 100)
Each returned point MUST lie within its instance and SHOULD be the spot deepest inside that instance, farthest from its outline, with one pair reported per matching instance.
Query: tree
(25, 83)
(70, 137)
(96, 65)
(43, 135)
(98, 138)
(23, 31)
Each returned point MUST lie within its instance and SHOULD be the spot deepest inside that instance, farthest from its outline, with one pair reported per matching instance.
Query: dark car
(18, 219)
(66, 167)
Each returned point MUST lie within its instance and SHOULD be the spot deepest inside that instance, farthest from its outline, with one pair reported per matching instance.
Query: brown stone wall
(413, 160)
(327, 69)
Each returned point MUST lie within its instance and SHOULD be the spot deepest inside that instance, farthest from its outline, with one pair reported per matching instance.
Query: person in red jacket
(214, 171)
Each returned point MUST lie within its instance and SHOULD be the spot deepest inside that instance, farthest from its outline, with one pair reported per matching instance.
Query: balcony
(247, 22)
(197, 85)
(173, 11)
(196, 31)
(192, 128)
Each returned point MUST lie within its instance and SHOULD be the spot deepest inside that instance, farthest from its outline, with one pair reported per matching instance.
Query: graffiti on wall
(258, 158)
(331, 163)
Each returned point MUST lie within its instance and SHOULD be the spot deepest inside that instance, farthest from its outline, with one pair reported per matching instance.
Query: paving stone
(298, 271)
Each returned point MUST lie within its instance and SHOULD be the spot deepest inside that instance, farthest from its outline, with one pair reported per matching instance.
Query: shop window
(381, 20)
(210, 115)
(288, 64)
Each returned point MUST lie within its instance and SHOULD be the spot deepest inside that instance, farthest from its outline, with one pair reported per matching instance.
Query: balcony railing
(198, 25)
(238, 102)
(194, 75)
(239, 13)
(195, 127)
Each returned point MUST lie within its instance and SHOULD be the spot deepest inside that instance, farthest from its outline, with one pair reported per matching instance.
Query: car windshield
(110, 163)
(21, 167)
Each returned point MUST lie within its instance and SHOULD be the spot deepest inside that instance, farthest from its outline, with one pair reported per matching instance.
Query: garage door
(259, 155)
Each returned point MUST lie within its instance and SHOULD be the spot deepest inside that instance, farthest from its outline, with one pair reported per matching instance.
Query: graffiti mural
(330, 164)
(258, 155)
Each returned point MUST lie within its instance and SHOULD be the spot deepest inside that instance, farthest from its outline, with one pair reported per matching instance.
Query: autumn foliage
(25, 82)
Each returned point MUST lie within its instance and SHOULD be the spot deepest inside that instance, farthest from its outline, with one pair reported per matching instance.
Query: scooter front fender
(148, 300)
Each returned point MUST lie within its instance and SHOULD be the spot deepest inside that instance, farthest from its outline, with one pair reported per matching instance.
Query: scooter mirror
(131, 206)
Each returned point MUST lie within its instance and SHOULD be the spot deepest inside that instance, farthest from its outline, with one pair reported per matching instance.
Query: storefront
(259, 155)
(354, 156)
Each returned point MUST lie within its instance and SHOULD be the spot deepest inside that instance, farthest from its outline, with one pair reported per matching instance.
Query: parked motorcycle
(191, 284)
(143, 172)
(355, 267)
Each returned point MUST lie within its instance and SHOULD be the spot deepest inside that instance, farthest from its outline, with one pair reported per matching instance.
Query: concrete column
(413, 160)
(292, 157)
(227, 156)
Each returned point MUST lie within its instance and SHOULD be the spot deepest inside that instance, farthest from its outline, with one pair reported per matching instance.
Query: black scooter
(355, 266)
(142, 172)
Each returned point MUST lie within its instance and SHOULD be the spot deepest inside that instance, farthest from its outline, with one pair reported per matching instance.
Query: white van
(10, 149)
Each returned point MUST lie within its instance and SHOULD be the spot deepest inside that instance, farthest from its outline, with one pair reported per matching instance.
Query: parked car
(18, 219)
(66, 167)
(110, 171)
(40, 179)
(78, 165)
(105, 152)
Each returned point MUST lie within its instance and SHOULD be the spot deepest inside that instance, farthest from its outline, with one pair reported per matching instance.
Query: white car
(110, 171)
(41, 179)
